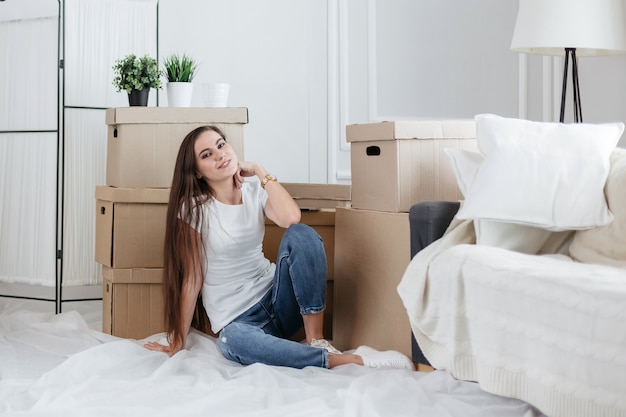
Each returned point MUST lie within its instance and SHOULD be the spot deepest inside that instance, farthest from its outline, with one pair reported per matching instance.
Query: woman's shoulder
(251, 187)
(251, 191)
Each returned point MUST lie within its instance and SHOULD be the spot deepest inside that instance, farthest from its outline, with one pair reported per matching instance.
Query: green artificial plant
(180, 69)
(133, 73)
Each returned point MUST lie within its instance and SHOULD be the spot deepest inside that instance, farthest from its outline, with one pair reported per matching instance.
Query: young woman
(214, 259)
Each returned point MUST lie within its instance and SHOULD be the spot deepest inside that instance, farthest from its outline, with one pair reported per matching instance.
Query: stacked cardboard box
(131, 208)
(394, 165)
(142, 145)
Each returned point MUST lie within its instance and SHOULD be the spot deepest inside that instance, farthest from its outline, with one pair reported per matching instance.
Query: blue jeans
(299, 288)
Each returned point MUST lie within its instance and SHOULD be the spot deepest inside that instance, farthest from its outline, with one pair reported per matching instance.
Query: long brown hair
(183, 252)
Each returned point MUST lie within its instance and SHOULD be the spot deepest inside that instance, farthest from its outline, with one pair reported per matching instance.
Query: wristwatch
(266, 179)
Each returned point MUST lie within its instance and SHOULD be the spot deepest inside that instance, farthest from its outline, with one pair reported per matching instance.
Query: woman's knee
(301, 229)
(303, 234)
(233, 339)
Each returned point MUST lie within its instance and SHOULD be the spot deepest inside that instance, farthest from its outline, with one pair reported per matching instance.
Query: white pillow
(511, 236)
(465, 166)
(547, 175)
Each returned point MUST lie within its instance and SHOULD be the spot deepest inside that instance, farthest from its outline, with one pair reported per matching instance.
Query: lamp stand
(578, 112)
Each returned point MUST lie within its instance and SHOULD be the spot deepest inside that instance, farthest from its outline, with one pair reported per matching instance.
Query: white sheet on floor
(55, 365)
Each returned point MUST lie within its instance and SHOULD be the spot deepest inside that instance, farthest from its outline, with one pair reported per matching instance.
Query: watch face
(267, 179)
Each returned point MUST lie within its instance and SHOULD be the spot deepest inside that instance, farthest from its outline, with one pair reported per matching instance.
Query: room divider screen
(55, 85)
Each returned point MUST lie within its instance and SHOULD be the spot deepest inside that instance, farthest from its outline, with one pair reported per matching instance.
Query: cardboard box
(143, 142)
(130, 226)
(319, 196)
(132, 302)
(397, 164)
(372, 251)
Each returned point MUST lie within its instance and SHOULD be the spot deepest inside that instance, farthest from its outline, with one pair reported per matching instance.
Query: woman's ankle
(343, 359)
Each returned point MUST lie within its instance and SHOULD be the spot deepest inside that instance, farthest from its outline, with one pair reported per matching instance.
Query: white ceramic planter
(179, 94)
(215, 94)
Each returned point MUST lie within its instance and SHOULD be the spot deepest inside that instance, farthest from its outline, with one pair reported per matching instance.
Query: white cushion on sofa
(607, 244)
(547, 175)
(511, 236)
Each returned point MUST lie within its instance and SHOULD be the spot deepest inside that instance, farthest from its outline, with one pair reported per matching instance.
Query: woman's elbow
(293, 217)
(296, 216)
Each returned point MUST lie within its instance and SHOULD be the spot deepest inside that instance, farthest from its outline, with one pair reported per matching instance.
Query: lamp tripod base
(570, 53)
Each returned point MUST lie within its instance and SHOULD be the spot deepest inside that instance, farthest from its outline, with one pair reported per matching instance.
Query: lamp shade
(547, 27)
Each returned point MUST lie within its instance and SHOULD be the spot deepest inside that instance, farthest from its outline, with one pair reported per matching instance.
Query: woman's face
(216, 160)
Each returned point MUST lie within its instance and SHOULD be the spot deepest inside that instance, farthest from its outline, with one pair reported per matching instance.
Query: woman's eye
(206, 155)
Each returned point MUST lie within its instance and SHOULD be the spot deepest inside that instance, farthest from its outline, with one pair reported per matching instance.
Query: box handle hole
(372, 151)
(103, 210)
(115, 132)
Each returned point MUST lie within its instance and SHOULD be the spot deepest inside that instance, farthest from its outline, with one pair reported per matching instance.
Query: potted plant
(136, 75)
(179, 71)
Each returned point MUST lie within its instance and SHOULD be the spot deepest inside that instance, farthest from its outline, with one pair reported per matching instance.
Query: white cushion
(547, 175)
(511, 236)
(465, 165)
(607, 244)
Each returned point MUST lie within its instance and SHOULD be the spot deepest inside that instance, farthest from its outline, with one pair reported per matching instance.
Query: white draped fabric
(85, 166)
(27, 213)
(58, 366)
(28, 163)
(96, 34)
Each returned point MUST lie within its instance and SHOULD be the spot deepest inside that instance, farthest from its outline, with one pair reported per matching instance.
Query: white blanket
(55, 365)
(543, 329)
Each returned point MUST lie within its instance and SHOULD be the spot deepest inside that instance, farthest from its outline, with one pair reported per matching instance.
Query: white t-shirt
(237, 274)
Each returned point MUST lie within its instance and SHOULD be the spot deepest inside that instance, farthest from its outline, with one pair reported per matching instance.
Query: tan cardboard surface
(142, 143)
(318, 191)
(319, 196)
(130, 235)
(133, 275)
(411, 129)
(129, 115)
(372, 251)
(132, 302)
(144, 155)
(132, 195)
(392, 175)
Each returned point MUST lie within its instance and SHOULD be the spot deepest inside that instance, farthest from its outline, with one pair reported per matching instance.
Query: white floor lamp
(572, 28)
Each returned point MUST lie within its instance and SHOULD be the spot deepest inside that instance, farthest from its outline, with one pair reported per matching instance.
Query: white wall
(307, 68)
(274, 56)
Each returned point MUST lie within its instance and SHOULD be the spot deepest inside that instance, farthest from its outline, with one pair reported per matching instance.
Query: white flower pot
(215, 94)
(179, 94)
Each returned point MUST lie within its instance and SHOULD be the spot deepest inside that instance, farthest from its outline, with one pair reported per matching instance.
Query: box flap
(133, 195)
(318, 191)
(412, 129)
(208, 115)
(321, 217)
(132, 275)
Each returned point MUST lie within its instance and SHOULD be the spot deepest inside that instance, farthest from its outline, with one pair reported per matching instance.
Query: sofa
(528, 300)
